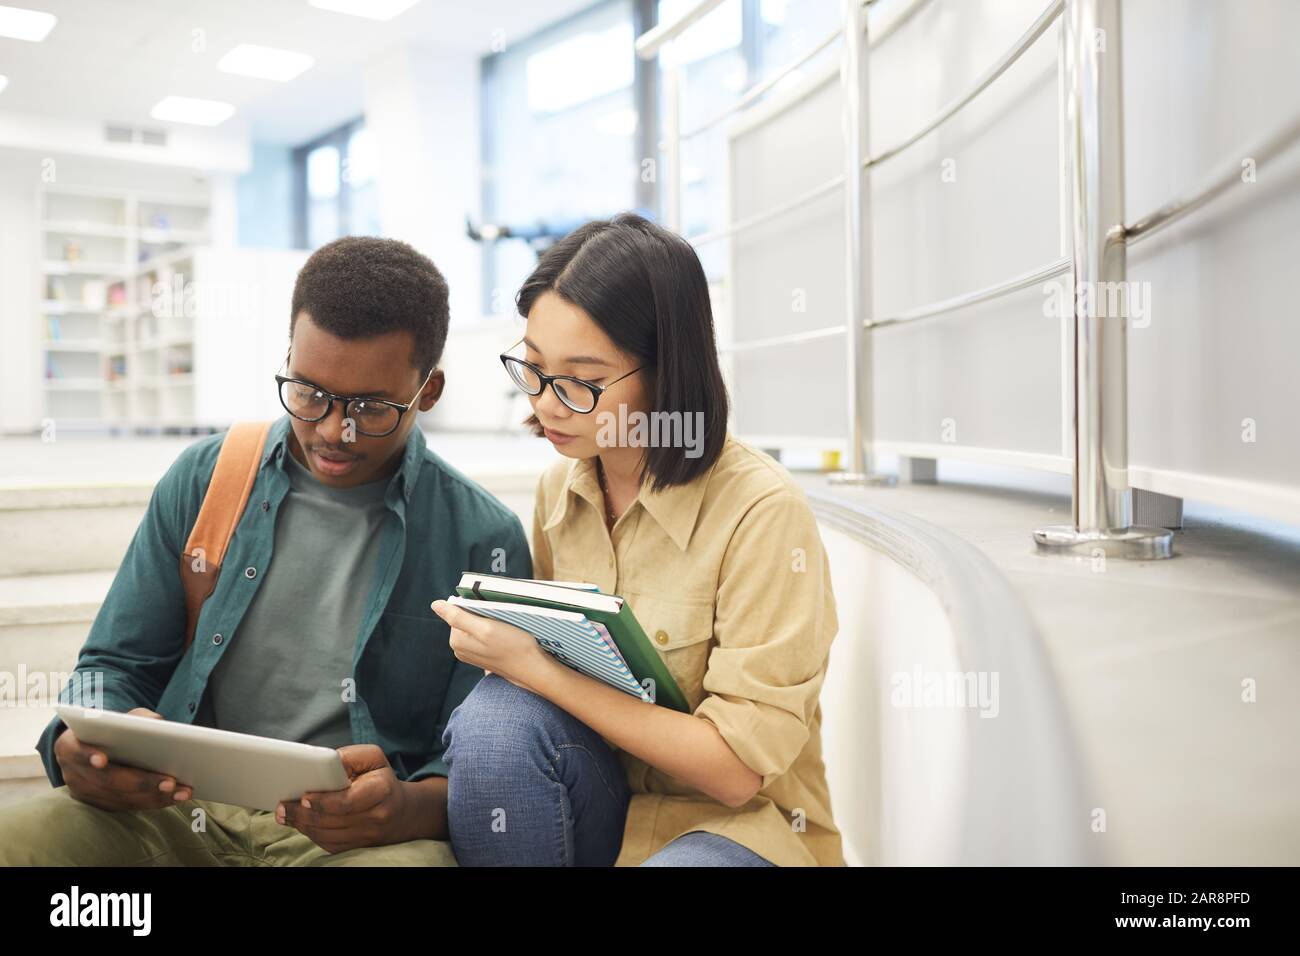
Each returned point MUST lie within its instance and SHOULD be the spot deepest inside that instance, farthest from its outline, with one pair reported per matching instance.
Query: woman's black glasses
(573, 392)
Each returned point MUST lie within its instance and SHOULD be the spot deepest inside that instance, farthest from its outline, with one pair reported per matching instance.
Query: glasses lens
(303, 401)
(575, 395)
(523, 376)
(374, 419)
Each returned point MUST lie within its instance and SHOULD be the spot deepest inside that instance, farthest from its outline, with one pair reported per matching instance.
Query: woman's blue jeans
(531, 785)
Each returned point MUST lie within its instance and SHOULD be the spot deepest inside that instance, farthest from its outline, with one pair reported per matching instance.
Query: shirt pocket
(681, 632)
(574, 574)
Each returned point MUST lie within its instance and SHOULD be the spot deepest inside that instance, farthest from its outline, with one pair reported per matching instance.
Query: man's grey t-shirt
(286, 670)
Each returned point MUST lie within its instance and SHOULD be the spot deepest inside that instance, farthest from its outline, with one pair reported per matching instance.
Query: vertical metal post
(854, 83)
(673, 146)
(645, 85)
(1095, 121)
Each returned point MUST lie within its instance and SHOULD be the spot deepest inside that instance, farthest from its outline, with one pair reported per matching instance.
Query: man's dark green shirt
(406, 680)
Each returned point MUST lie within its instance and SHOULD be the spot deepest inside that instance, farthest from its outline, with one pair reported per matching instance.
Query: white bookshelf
(107, 358)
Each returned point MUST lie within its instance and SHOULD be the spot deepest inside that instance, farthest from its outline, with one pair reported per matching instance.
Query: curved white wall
(946, 734)
(894, 772)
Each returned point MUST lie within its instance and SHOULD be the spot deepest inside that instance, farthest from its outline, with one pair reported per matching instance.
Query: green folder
(642, 659)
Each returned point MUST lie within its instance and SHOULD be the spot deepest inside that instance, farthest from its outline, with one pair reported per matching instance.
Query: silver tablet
(220, 765)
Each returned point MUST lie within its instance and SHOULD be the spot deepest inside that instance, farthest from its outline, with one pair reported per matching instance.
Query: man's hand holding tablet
(376, 809)
(93, 779)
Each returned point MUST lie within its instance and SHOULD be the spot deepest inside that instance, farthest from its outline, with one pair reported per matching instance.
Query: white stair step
(44, 620)
(63, 529)
(19, 729)
(52, 598)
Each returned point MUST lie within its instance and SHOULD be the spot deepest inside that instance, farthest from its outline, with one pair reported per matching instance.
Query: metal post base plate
(1137, 543)
(861, 479)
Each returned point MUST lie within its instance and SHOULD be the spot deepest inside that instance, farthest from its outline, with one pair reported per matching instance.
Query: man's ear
(433, 390)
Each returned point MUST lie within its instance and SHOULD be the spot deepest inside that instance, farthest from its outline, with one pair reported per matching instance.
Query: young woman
(714, 546)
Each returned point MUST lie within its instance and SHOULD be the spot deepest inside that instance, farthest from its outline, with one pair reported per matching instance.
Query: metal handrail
(1215, 185)
(1037, 29)
(759, 218)
(930, 310)
(757, 90)
(793, 338)
(649, 43)
(1022, 281)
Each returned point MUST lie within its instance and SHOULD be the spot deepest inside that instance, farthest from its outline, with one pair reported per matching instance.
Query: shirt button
(191, 707)
(217, 638)
(661, 637)
(266, 506)
(250, 572)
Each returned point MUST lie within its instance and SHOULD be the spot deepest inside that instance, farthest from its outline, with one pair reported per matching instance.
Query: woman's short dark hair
(361, 286)
(644, 286)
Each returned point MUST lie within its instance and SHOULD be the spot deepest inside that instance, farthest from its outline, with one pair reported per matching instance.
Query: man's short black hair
(361, 286)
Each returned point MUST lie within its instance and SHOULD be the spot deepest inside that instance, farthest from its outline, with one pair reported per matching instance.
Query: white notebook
(568, 636)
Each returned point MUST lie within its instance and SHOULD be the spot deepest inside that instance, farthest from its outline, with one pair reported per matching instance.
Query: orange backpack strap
(223, 504)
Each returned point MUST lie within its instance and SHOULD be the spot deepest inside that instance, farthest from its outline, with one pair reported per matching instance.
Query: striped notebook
(568, 636)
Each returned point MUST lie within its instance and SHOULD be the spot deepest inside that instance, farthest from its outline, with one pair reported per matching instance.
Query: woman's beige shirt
(730, 582)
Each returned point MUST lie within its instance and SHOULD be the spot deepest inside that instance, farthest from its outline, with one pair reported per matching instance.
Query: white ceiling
(112, 60)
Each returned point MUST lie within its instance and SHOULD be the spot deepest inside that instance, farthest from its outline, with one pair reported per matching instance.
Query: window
(570, 115)
(787, 29)
(733, 47)
(562, 135)
(337, 194)
(715, 70)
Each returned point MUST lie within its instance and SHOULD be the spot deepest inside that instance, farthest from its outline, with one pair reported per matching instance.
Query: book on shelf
(94, 293)
(180, 361)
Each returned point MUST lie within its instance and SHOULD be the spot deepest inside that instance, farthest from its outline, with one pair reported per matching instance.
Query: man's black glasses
(373, 417)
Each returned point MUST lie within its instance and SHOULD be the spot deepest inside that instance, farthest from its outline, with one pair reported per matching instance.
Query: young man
(319, 628)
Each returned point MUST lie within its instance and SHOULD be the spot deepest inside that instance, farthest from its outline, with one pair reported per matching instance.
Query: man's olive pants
(54, 829)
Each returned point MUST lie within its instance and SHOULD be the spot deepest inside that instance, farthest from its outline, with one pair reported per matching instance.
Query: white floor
(1150, 658)
(80, 459)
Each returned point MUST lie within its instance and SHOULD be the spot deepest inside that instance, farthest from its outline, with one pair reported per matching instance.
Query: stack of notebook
(591, 632)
